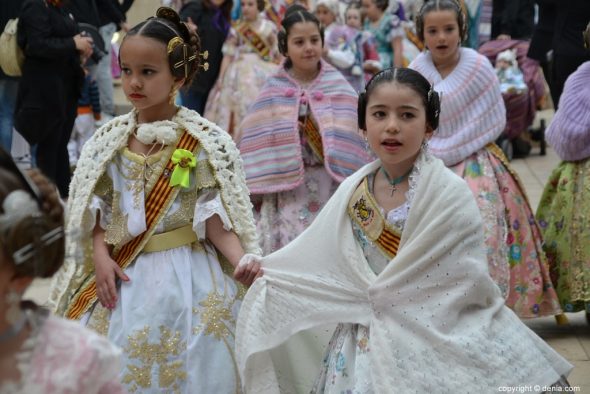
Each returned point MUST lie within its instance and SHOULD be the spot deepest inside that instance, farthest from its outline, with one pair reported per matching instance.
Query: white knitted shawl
(100, 150)
(437, 321)
(472, 110)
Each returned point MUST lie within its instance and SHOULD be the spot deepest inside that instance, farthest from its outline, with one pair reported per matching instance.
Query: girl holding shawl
(249, 59)
(158, 216)
(396, 259)
(472, 117)
(564, 211)
(300, 138)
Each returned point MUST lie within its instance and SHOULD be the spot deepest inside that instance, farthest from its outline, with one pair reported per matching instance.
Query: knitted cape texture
(271, 146)
(569, 131)
(472, 110)
(437, 321)
(98, 152)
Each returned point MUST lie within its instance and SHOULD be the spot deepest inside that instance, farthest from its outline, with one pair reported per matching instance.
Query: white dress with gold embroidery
(175, 318)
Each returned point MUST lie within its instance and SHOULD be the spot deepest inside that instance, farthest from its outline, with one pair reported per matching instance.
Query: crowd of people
(304, 197)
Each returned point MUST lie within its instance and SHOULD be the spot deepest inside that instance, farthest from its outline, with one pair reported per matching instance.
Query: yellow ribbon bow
(184, 161)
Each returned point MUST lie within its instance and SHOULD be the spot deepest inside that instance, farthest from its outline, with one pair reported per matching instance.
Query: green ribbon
(184, 160)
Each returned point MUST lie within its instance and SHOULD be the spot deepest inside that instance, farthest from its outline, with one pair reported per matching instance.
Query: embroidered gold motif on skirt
(100, 320)
(171, 372)
(216, 317)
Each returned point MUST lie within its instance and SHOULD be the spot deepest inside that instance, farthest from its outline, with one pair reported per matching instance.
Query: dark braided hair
(165, 27)
(295, 14)
(407, 77)
(441, 5)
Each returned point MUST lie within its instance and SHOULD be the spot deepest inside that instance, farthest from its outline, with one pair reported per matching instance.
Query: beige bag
(11, 56)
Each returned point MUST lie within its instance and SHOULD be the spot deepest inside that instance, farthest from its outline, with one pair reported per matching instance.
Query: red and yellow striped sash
(156, 204)
(253, 38)
(363, 209)
(314, 138)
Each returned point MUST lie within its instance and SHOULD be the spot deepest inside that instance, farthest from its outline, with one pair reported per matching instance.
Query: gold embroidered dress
(175, 318)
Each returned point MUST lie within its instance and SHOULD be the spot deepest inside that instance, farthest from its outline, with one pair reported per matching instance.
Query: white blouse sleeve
(98, 205)
(208, 204)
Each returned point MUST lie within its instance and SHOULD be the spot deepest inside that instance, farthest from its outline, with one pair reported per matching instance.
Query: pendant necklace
(395, 181)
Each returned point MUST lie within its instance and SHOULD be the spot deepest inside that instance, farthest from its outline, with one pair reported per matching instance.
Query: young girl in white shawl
(472, 118)
(396, 259)
(158, 218)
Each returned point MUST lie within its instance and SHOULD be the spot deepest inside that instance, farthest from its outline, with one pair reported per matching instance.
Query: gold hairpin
(205, 55)
(186, 59)
(173, 43)
(204, 66)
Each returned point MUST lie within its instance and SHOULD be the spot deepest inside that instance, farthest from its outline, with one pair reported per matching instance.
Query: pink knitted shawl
(271, 146)
(569, 131)
(472, 110)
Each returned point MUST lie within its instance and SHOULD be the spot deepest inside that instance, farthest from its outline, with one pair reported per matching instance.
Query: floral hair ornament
(184, 160)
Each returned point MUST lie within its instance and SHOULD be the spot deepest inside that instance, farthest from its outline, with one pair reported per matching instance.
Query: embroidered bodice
(235, 45)
(121, 191)
(396, 218)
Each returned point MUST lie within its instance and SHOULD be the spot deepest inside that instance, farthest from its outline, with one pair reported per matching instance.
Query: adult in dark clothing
(571, 18)
(212, 20)
(541, 42)
(50, 85)
(9, 9)
(112, 18)
(513, 19)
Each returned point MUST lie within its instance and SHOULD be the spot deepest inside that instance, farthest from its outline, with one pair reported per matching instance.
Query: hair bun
(170, 15)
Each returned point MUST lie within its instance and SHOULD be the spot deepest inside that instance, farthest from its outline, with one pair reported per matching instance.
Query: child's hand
(106, 269)
(248, 269)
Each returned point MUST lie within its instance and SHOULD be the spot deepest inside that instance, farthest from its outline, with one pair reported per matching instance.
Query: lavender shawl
(569, 132)
(472, 110)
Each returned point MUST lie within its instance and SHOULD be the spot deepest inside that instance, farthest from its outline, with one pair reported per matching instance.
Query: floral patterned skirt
(283, 216)
(564, 218)
(345, 368)
(513, 239)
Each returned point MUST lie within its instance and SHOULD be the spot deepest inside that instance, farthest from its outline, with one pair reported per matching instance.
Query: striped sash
(314, 138)
(157, 204)
(249, 35)
(363, 209)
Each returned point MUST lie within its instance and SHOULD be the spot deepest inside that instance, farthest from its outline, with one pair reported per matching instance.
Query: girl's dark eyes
(379, 114)
(148, 72)
(408, 115)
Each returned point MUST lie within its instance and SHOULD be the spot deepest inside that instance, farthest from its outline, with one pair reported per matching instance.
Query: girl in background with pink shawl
(472, 117)
(300, 138)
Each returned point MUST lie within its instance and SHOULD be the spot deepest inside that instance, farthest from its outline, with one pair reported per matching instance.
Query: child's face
(353, 18)
(441, 35)
(503, 64)
(249, 10)
(304, 46)
(324, 15)
(371, 10)
(145, 73)
(217, 3)
(396, 124)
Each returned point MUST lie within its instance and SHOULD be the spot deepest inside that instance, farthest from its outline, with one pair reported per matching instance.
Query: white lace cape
(437, 320)
(223, 156)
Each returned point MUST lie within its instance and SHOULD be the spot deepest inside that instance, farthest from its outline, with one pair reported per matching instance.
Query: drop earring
(172, 97)
(424, 146)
